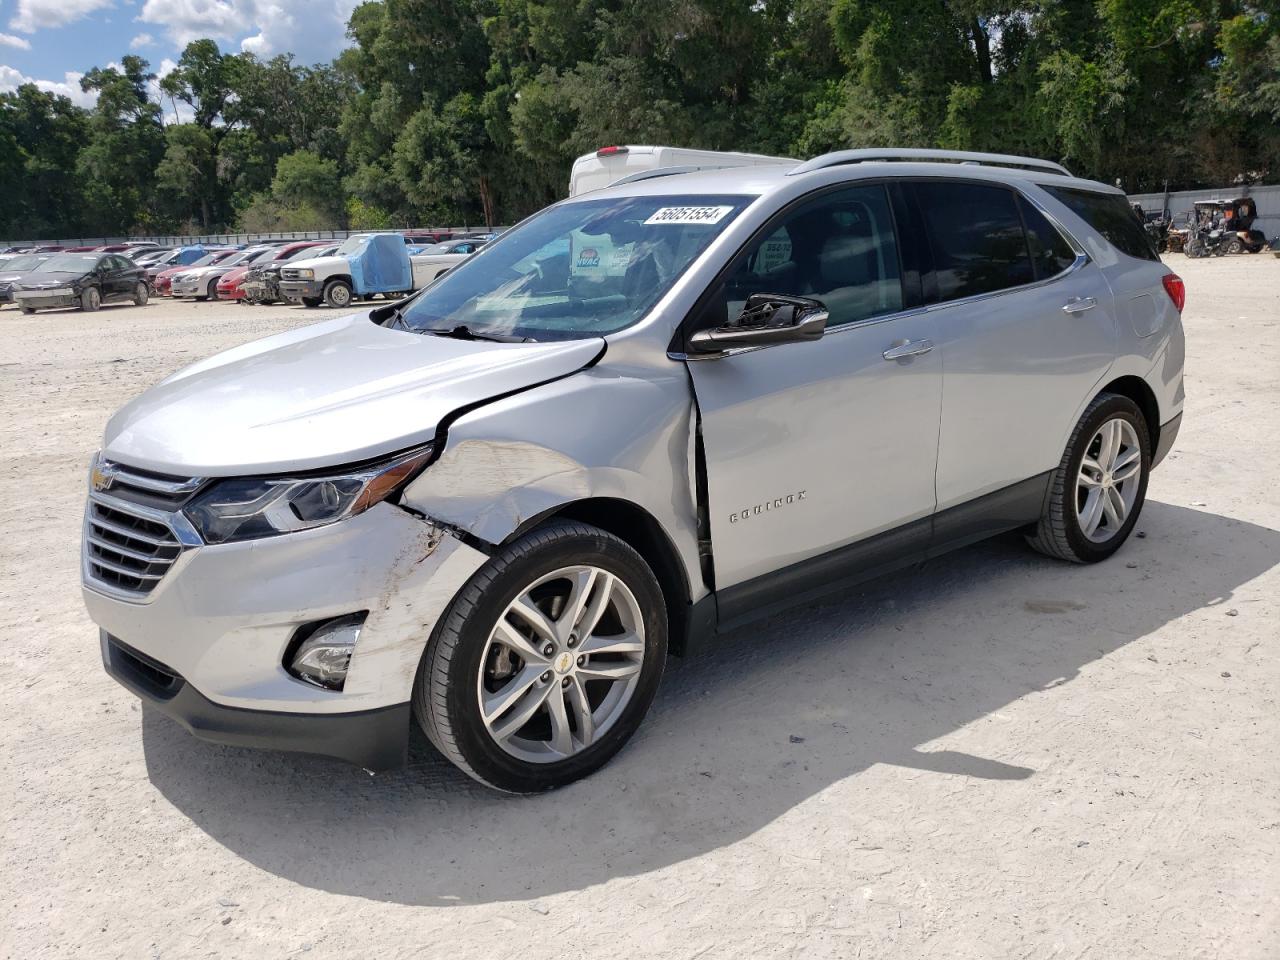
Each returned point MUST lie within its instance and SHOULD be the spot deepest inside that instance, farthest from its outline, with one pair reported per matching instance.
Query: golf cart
(1226, 225)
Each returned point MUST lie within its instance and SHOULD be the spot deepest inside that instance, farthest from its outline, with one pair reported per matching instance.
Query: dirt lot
(997, 756)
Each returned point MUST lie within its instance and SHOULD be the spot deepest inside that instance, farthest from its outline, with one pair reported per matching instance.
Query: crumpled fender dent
(604, 432)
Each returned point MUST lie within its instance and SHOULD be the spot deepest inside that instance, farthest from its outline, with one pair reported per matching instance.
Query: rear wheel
(28, 310)
(90, 300)
(337, 293)
(546, 661)
(141, 295)
(1235, 245)
(1098, 489)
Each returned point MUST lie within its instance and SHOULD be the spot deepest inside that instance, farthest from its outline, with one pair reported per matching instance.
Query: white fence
(1179, 203)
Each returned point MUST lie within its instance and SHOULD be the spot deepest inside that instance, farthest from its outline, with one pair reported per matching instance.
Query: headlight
(305, 274)
(248, 508)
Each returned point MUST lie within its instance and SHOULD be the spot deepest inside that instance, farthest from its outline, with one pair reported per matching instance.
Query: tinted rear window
(1111, 215)
(976, 235)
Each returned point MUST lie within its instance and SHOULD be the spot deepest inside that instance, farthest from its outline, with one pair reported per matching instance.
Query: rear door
(1026, 329)
(814, 446)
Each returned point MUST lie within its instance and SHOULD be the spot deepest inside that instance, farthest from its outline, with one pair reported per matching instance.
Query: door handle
(906, 349)
(1079, 305)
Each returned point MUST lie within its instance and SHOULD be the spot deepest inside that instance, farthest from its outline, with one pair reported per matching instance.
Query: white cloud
(36, 15)
(141, 40)
(312, 30)
(69, 86)
(9, 40)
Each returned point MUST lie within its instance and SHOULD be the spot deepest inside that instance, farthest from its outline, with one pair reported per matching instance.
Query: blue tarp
(382, 265)
(189, 255)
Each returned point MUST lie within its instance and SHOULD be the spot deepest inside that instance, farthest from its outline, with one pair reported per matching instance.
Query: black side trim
(1168, 434)
(374, 739)
(810, 579)
(1006, 509)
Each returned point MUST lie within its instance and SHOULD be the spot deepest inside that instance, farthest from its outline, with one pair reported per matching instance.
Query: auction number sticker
(688, 215)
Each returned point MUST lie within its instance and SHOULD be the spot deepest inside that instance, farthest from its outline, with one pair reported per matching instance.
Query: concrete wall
(1267, 198)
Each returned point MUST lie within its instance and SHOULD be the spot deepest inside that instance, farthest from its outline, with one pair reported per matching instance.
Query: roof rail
(840, 157)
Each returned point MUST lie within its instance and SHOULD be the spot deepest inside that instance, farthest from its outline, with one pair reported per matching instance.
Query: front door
(812, 446)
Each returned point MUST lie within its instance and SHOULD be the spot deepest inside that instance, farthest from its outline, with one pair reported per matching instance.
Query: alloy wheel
(1108, 480)
(561, 664)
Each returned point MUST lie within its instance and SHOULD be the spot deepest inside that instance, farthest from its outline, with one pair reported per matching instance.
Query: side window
(976, 235)
(1050, 251)
(839, 248)
(1111, 216)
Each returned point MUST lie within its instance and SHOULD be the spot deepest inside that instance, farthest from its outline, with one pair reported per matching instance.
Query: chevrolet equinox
(644, 416)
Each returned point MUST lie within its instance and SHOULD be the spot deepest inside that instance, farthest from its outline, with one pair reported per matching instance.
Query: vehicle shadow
(737, 737)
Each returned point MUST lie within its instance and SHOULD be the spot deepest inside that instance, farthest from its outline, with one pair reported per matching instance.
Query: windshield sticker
(688, 215)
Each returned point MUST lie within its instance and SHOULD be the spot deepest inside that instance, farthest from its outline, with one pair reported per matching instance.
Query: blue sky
(52, 42)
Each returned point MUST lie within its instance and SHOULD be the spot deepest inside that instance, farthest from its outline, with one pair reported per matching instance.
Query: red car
(164, 279)
(230, 287)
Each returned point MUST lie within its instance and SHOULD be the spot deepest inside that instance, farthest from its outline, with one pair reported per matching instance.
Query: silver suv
(644, 416)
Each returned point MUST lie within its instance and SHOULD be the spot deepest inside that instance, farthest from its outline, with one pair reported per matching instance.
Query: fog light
(323, 652)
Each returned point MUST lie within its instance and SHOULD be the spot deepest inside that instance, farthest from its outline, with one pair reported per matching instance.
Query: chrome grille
(134, 530)
(127, 551)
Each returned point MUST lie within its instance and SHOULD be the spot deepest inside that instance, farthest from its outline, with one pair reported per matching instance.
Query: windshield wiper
(463, 332)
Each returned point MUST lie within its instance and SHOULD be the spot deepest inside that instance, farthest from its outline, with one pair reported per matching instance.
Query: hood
(52, 278)
(337, 392)
(320, 264)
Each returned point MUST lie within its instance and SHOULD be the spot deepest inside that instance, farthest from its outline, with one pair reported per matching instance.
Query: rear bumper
(374, 739)
(297, 289)
(1168, 434)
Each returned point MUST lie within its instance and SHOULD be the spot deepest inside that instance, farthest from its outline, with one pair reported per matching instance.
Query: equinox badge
(775, 504)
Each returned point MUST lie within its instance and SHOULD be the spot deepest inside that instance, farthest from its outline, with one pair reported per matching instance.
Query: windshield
(28, 261)
(575, 270)
(300, 254)
(353, 244)
(71, 263)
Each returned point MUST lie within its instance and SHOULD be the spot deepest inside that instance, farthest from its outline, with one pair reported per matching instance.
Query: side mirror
(766, 319)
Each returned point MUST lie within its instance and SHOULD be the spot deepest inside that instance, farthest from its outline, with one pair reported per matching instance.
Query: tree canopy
(473, 110)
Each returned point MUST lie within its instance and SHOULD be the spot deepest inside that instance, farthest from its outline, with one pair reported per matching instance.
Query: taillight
(1176, 289)
(610, 151)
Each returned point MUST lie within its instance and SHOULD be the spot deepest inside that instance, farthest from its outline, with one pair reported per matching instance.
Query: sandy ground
(996, 756)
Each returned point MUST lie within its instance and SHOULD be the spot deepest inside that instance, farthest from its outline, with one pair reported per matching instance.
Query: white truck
(595, 171)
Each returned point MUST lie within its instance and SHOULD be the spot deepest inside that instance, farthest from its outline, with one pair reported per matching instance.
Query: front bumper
(230, 293)
(374, 739)
(298, 289)
(188, 288)
(223, 616)
(36, 299)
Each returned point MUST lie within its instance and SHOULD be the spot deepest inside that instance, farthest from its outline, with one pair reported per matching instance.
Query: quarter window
(976, 236)
(839, 248)
(1050, 251)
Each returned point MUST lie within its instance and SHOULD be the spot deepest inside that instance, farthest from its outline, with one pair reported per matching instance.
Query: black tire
(312, 301)
(1059, 533)
(1235, 246)
(90, 299)
(445, 696)
(141, 295)
(28, 310)
(337, 294)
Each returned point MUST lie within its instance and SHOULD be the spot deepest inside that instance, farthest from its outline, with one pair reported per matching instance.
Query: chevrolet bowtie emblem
(102, 478)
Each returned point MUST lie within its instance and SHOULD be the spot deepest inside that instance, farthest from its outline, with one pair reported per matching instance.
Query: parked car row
(365, 265)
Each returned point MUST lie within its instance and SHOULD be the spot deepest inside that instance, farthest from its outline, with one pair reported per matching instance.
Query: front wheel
(547, 660)
(337, 293)
(1099, 488)
(90, 300)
